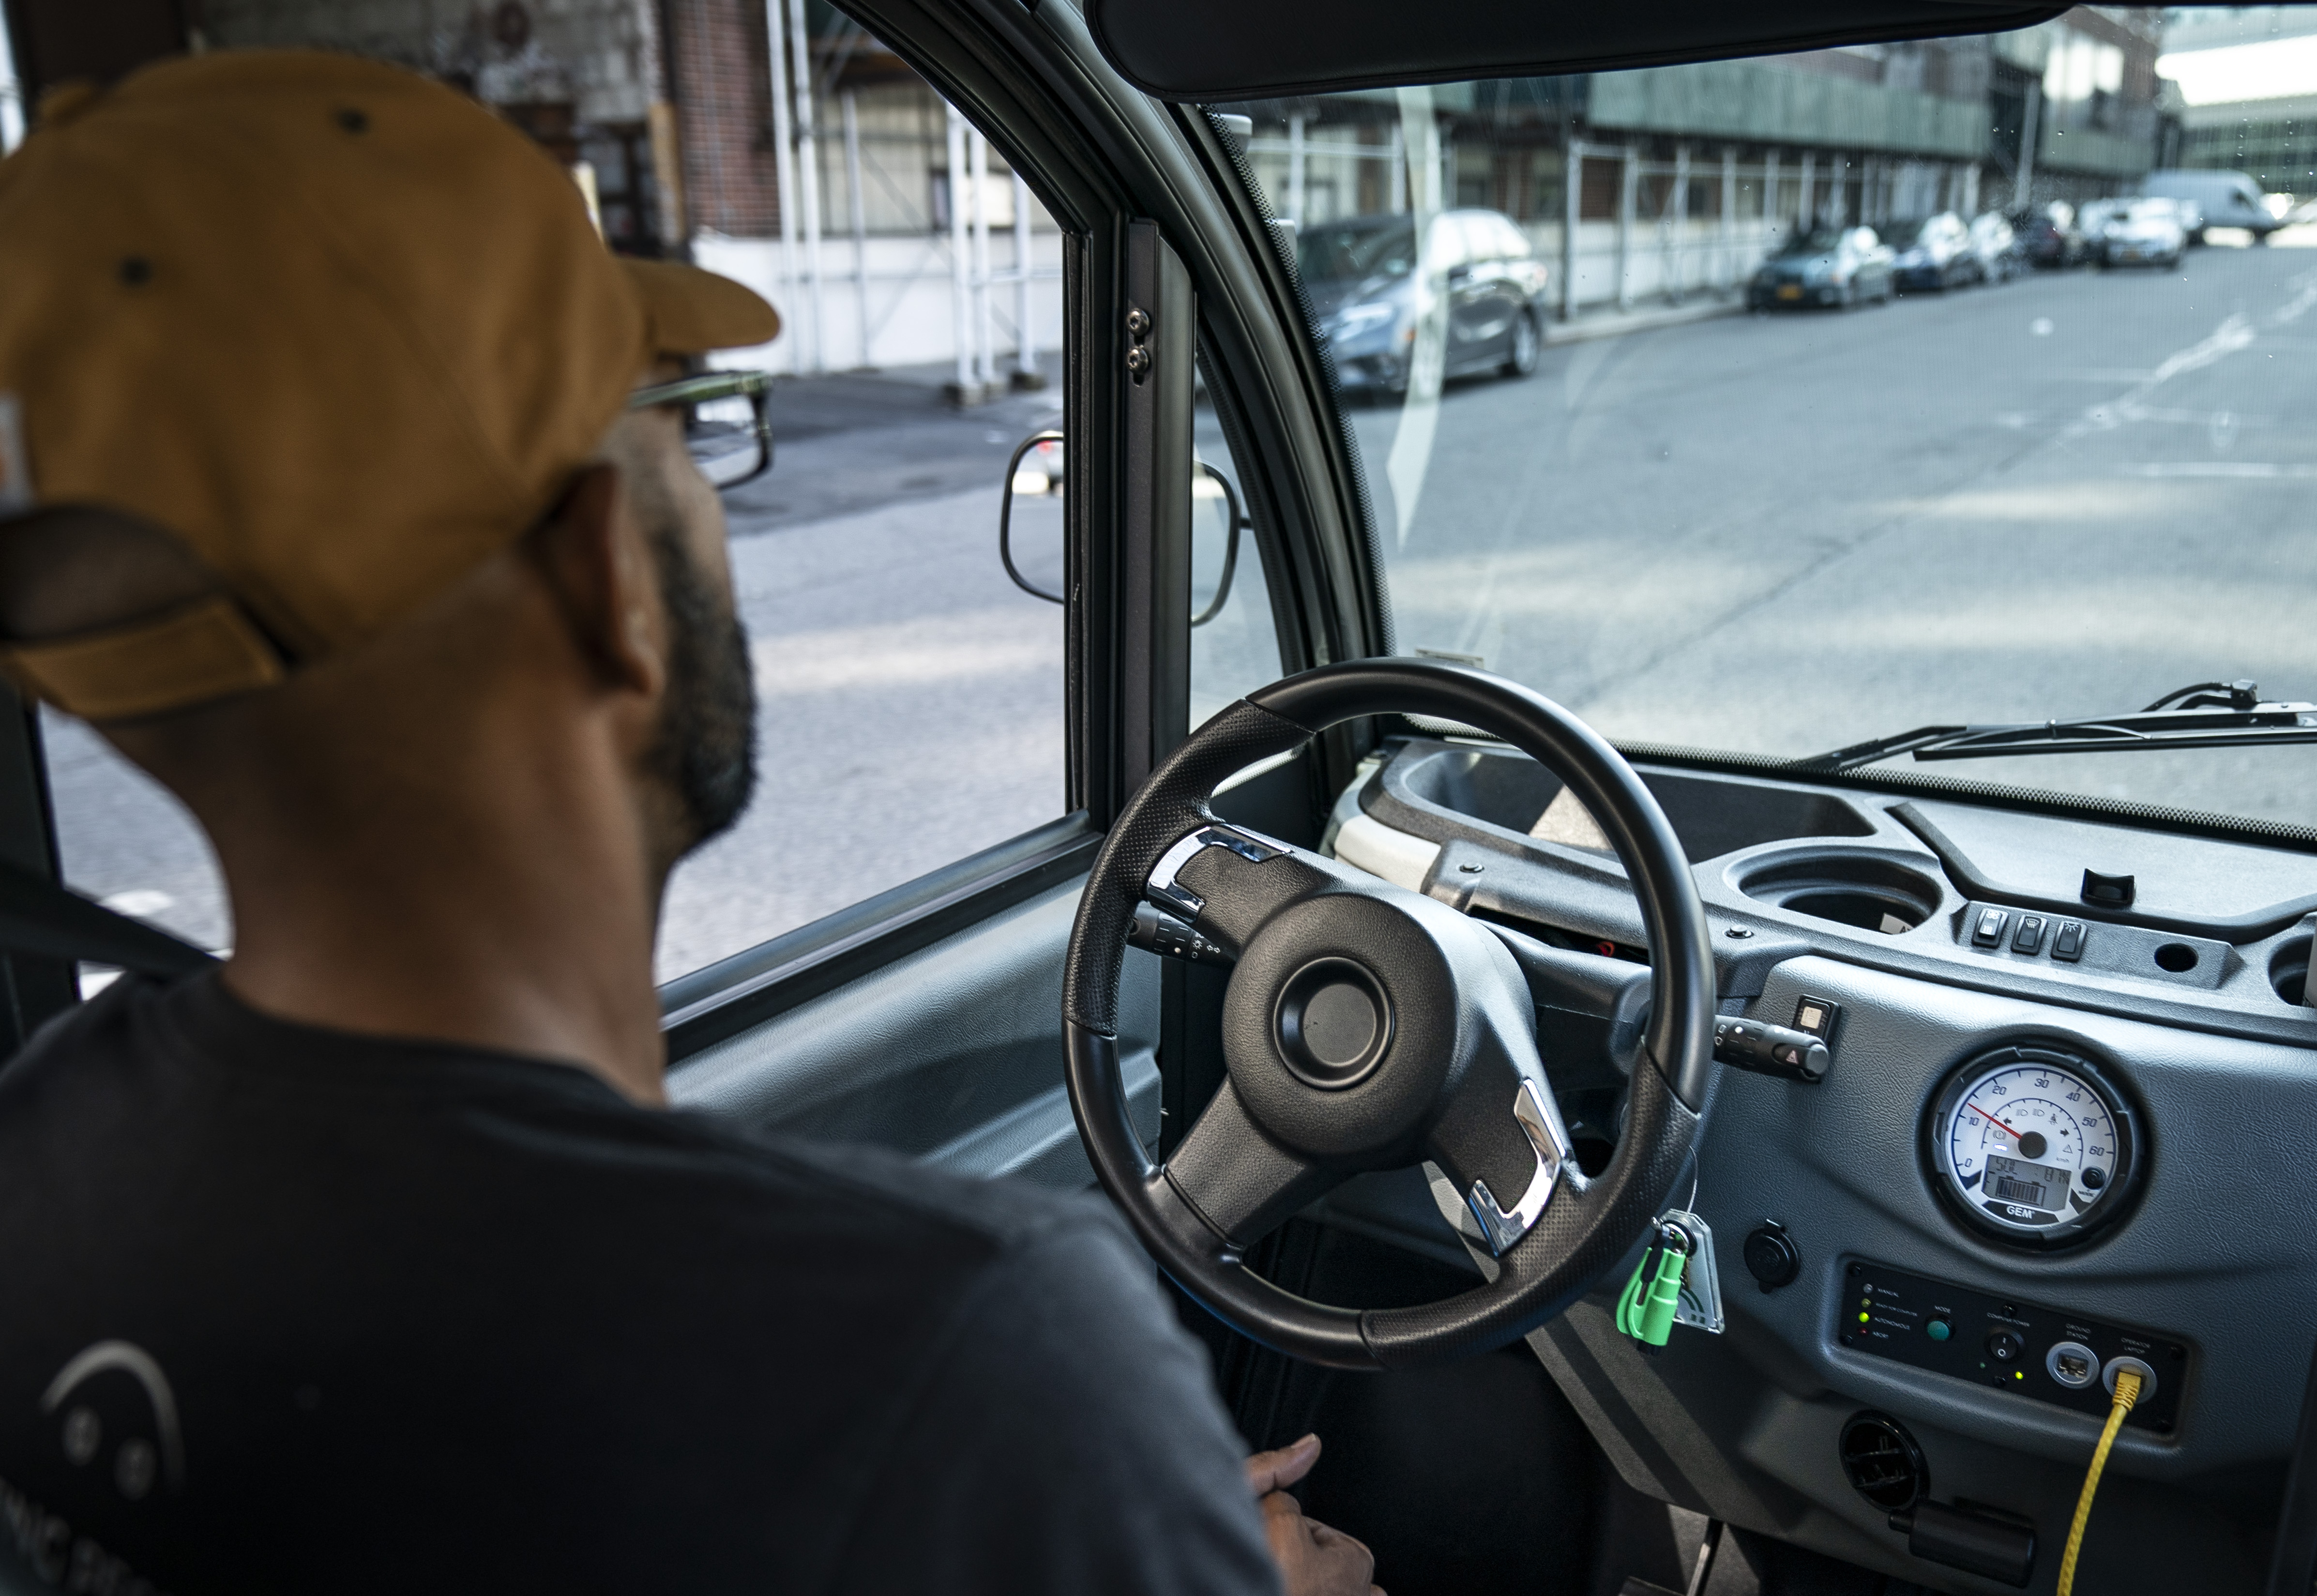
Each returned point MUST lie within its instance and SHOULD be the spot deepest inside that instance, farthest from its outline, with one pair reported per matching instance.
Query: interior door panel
(952, 1054)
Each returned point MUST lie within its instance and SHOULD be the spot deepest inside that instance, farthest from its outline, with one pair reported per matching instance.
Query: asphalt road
(1781, 533)
(1785, 533)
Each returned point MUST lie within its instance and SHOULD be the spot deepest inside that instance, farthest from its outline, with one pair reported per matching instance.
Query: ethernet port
(2073, 1363)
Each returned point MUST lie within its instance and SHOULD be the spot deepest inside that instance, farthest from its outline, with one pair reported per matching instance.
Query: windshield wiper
(2208, 714)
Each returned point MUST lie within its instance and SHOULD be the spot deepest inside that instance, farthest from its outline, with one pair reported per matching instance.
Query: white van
(2227, 199)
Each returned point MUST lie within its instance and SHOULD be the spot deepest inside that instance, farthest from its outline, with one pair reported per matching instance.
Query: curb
(1615, 324)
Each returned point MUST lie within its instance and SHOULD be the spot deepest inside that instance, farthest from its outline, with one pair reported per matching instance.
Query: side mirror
(1039, 480)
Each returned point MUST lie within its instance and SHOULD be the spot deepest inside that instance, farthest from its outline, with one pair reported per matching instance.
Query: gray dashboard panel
(1744, 1426)
(2219, 1252)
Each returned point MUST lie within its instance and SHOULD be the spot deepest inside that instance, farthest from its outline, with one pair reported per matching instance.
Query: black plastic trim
(2189, 822)
(1408, 35)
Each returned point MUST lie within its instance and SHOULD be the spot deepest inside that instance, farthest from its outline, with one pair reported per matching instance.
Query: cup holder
(2288, 970)
(1865, 890)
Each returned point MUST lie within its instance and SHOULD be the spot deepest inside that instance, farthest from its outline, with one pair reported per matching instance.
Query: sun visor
(1211, 50)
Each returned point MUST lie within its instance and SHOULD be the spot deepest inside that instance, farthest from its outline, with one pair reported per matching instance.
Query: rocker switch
(1988, 931)
(2029, 938)
(2068, 942)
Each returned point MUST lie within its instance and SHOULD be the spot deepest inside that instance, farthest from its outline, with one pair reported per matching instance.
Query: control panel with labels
(2044, 1354)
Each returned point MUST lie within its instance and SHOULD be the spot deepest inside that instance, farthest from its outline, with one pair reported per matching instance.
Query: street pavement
(2058, 497)
(1785, 533)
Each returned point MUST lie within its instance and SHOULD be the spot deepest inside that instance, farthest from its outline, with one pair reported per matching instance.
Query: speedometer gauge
(2030, 1144)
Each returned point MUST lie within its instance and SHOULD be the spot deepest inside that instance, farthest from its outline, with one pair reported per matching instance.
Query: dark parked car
(2049, 236)
(1370, 296)
(1935, 253)
(1823, 266)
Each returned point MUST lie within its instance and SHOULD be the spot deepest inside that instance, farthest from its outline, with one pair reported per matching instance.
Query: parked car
(2221, 199)
(1364, 280)
(2049, 236)
(1997, 247)
(1838, 266)
(1937, 253)
(2147, 232)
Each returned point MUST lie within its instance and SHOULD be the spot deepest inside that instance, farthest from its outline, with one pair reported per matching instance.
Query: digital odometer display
(2030, 1144)
(2012, 1181)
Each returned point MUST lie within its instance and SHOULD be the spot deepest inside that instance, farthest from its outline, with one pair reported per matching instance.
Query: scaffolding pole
(784, 170)
(1295, 168)
(2023, 185)
(807, 174)
(985, 366)
(961, 392)
(1025, 343)
(857, 214)
(1572, 197)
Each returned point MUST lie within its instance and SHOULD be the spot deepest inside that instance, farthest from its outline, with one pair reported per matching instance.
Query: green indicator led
(1861, 1318)
(2018, 1373)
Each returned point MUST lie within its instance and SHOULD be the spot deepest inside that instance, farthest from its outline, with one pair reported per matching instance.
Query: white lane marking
(2233, 335)
(2235, 470)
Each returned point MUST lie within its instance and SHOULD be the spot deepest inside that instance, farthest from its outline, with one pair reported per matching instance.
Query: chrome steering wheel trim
(1537, 1116)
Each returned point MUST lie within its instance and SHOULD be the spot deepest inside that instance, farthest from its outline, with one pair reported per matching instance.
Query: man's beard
(706, 749)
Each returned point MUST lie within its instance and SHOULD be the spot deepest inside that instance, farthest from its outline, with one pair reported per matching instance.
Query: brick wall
(722, 74)
(601, 56)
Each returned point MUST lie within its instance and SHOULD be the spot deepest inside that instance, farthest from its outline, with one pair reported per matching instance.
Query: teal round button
(1938, 1330)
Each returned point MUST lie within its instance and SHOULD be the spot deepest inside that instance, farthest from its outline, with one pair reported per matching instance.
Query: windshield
(1714, 507)
(1347, 254)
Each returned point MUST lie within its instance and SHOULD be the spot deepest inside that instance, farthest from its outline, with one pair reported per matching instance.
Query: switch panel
(2038, 1353)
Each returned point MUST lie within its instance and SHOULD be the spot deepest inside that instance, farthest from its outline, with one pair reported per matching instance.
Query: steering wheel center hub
(1332, 1023)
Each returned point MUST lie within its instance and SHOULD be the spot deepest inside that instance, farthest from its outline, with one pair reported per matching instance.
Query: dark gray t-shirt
(282, 1308)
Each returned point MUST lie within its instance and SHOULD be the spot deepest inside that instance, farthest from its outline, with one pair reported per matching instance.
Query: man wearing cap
(342, 488)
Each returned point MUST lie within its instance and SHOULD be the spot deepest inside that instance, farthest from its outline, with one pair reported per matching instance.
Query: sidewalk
(1607, 323)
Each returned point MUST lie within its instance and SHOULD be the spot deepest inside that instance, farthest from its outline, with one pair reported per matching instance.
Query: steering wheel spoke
(1240, 1182)
(1507, 1152)
(1228, 880)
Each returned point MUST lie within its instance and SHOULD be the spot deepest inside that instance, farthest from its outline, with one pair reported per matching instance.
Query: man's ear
(592, 553)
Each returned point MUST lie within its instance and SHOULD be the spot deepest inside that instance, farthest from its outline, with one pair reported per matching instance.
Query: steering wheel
(1369, 1028)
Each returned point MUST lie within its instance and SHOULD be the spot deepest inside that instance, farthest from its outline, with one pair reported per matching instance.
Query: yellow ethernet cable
(2127, 1391)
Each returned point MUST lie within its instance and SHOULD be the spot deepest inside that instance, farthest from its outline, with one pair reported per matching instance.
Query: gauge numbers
(2032, 1146)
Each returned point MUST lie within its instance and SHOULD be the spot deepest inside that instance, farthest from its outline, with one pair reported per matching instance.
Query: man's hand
(1313, 1559)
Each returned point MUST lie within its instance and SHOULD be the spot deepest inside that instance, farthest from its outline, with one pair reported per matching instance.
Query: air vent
(1883, 1463)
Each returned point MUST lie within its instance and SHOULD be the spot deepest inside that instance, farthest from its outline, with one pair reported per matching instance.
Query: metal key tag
(1699, 1308)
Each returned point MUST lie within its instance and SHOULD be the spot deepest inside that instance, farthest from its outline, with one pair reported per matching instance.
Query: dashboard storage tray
(2030, 1351)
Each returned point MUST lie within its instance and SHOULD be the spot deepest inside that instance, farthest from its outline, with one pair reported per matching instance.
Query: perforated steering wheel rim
(1198, 1218)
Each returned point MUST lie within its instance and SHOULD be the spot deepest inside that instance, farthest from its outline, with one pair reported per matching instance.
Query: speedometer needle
(1991, 1119)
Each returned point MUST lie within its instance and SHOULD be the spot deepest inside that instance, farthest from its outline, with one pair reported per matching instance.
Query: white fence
(1700, 222)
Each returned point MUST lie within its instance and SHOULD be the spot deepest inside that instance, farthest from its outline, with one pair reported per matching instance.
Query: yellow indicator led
(2018, 1373)
(1861, 1318)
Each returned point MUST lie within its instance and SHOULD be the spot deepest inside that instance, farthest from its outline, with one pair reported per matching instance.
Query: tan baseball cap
(336, 327)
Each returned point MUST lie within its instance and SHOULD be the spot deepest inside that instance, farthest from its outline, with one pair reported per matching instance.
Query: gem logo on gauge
(2031, 1144)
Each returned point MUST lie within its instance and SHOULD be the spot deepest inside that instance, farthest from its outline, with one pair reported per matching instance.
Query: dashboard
(2063, 1124)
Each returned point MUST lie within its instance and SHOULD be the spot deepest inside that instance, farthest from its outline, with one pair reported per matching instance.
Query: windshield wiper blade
(2210, 715)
